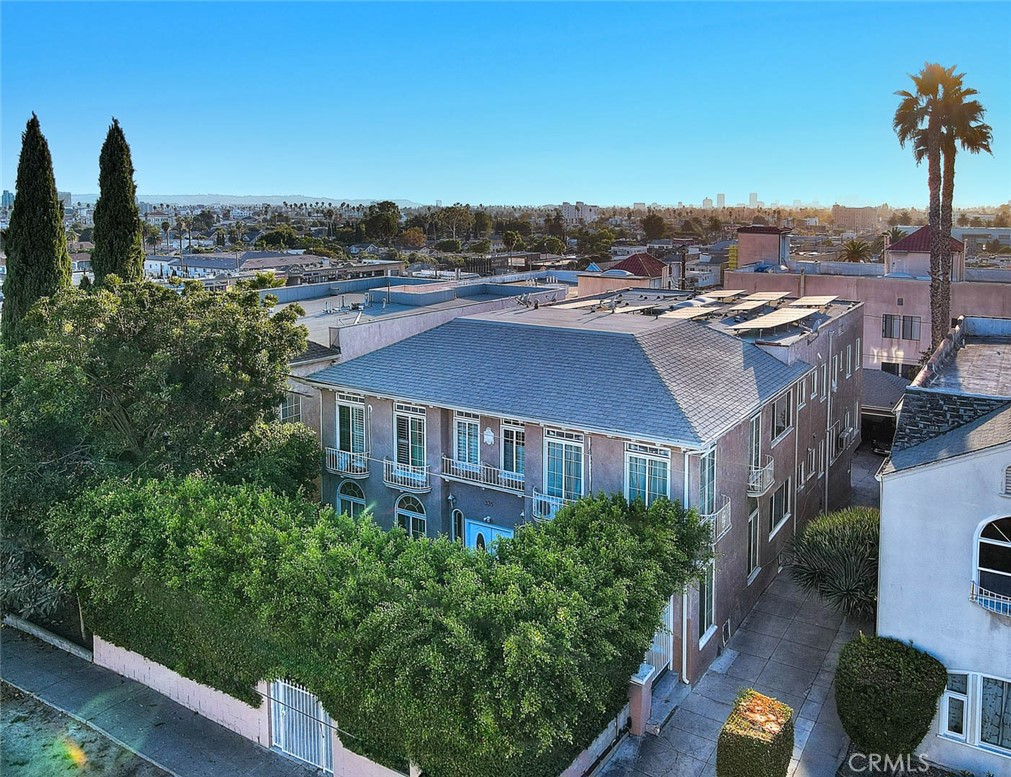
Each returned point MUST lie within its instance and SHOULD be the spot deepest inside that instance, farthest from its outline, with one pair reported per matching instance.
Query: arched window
(411, 516)
(458, 525)
(994, 566)
(350, 499)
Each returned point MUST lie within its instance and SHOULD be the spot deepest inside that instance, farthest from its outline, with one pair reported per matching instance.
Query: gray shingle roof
(881, 390)
(677, 381)
(926, 414)
(988, 430)
(315, 352)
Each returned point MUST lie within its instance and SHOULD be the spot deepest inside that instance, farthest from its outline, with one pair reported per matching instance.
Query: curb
(48, 637)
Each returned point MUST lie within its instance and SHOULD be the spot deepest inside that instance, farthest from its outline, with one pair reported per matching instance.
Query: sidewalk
(787, 648)
(159, 730)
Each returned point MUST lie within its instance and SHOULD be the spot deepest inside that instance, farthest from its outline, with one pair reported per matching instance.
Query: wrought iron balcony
(719, 519)
(990, 600)
(482, 475)
(545, 507)
(406, 477)
(355, 465)
(760, 478)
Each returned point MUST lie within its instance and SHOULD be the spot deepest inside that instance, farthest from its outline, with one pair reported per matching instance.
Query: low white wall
(586, 759)
(251, 722)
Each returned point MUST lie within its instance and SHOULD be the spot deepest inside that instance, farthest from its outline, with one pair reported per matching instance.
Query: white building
(721, 200)
(945, 563)
(580, 213)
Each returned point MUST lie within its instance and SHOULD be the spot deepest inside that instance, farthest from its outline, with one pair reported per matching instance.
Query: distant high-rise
(753, 200)
(8, 200)
(65, 198)
(721, 200)
(707, 203)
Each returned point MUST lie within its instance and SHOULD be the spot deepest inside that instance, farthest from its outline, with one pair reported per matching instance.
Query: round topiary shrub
(836, 556)
(757, 739)
(886, 693)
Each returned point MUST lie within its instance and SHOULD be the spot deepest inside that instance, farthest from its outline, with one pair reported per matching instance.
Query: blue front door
(480, 535)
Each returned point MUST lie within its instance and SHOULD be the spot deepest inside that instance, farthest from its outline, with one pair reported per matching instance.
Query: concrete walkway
(787, 648)
(866, 490)
(159, 730)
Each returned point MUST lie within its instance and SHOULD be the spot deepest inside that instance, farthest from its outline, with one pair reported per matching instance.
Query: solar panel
(687, 313)
(775, 318)
(768, 296)
(814, 301)
(748, 304)
(722, 293)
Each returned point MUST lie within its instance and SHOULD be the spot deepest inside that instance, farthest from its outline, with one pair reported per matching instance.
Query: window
(824, 382)
(891, 326)
(647, 473)
(821, 458)
(513, 449)
(707, 483)
(291, 408)
(411, 516)
(755, 443)
(779, 507)
(410, 435)
(563, 464)
(910, 327)
(350, 499)
(782, 416)
(754, 539)
(802, 393)
(849, 360)
(467, 432)
(814, 384)
(458, 525)
(835, 372)
(860, 356)
(706, 601)
(953, 706)
(994, 566)
(350, 425)
(811, 465)
(995, 713)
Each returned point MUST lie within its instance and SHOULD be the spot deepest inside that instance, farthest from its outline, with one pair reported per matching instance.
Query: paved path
(170, 736)
(866, 490)
(787, 648)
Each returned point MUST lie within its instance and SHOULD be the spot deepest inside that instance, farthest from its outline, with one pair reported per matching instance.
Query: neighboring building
(911, 256)
(946, 540)
(66, 200)
(644, 265)
(721, 200)
(707, 203)
(753, 200)
(488, 422)
(580, 213)
(860, 219)
(621, 251)
(897, 309)
(8, 199)
(762, 245)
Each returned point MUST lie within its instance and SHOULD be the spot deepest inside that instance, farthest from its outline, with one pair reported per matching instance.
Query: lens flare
(75, 753)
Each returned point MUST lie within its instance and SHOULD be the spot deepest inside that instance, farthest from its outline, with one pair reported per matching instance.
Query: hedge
(836, 556)
(757, 739)
(464, 662)
(886, 693)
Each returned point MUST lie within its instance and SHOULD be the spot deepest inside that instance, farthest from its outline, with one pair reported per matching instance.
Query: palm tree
(895, 235)
(918, 120)
(855, 251)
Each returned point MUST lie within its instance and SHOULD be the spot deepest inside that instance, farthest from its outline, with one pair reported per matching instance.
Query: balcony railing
(406, 477)
(760, 478)
(720, 519)
(545, 507)
(482, 474)
(990, 600)
(355, 465)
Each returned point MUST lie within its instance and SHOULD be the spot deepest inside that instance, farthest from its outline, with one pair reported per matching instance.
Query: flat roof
(982, 365)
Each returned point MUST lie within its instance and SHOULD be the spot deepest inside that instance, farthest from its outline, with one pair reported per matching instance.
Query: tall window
(849, 360)
(350, 425)
(910, 327)
(350, 499)
(563, 464)
(410, 432)
(779, 507)
(802, 393)
(782, 415)
(755, 443)
(411, 516)
(824, 382)
(995, 713)
(976, 709)
(954, 705)
(994, 564)
(754, 539)
(814, 384)
(647, 473)
(891, 326)
(706, 600)
(458, 525)
(467, 434)
(859, 355)
(707, 483)
(291, 408)
(514, 449)
(1007, 481)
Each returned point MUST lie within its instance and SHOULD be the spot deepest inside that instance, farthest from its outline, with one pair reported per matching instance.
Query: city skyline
(530, 104)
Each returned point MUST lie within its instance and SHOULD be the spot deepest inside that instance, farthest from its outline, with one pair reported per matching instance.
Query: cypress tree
(119, 246)
(38, 264)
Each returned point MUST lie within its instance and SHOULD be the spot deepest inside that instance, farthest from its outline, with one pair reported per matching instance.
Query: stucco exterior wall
(930, 517)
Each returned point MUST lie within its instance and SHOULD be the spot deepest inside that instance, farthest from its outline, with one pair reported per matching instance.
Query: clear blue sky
(488, 103)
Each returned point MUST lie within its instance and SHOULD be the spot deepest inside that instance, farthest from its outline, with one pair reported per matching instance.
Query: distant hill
(236, 199)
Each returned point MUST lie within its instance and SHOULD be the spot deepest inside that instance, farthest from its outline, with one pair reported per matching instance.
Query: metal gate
(300, 726)
(661, 652)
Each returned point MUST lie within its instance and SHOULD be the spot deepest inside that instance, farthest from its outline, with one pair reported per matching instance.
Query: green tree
(457, 218)
(511, 239)
(480, 246)
(554, 225)
(38, 263)
(654, 225)
(855, 251)
(119, 247)
(554, 245)
(412, 237)
(382, 220)
(483, 223)
(282, 236)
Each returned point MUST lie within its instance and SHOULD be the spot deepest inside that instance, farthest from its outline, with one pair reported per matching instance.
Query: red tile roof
(919, 241)
(758, 229)
(643, 265)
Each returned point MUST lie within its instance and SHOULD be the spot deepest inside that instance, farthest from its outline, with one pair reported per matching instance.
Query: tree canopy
(38, 263)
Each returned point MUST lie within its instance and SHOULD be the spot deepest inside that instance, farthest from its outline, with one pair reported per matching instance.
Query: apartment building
(861, 219)
(489, 422)
(946, 540)
(762, 245)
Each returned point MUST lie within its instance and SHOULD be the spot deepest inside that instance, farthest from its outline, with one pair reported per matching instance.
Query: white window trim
(973, 713)
(658, 455)
(424, 447)
(802, 393)
(786, 432)
(708, 635)
(347, 400)
(787, 486)
(469, 419)
(824, 382)
(514, 426)
(566, 438)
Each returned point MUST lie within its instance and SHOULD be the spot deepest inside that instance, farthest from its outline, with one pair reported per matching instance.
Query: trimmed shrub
(886, 693)
(757, 739)
(836, 556)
